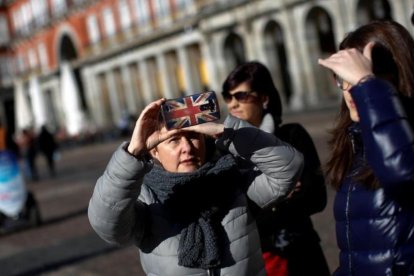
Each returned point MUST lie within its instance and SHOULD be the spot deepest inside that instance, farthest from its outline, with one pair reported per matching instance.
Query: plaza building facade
(81, 65)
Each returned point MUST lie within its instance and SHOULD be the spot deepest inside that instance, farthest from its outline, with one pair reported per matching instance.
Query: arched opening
(174, 70)
(274, 47)
(71, 78)
(67, 52)
(154, 78)
(105, 102)
(368, 10)
(320, 41)
(137, 87)
(234, 51)
(197, 68)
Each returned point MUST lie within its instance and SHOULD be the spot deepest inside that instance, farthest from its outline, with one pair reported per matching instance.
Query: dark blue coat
(375, 228)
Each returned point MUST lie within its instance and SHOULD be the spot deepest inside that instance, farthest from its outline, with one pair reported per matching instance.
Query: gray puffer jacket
(119, 208)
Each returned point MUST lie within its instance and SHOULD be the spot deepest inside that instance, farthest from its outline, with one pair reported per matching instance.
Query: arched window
(68, 52)
(233, 51)
(67, 49)
(368, 10)
(320, 43)
(274, 47)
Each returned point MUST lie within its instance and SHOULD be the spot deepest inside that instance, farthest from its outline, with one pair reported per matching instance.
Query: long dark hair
(260, 80)
(392, 60)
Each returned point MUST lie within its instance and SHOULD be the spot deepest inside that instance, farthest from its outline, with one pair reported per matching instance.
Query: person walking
(372, 150)
(18, 206)
(289, 241)
(28, 150)
(186, 214)
(48, 146)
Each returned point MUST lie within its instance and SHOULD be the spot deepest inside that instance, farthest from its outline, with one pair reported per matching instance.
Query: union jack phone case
(191, 110)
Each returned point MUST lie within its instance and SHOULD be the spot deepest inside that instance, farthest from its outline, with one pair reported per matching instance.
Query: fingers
(331, 61)
(322, 62)
(154, 104)
(166, 134)
(367, 52)
(149, 110)
(211, 129)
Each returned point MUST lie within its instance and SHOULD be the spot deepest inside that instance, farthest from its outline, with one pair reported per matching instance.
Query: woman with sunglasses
(372, 151)
(289, 242)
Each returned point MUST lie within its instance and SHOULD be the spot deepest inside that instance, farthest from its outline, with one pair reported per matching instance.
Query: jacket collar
(268, 123)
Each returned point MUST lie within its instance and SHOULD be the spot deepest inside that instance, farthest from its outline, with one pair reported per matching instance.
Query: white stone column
(209, 60)
(248, 38)
(258, 37)
(53, 85)
(188, 75)
(306, 69)
(113, 96)
(400, 11)
(340, 20)
(129, 91)
(38, 102)
(295, 61)
(165, 77)
(75, 120)
(217, 42)
(93, 96)
(22, 109)
(351, 14)
(146, 86)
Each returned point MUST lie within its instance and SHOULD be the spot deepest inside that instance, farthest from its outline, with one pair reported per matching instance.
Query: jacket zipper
(352, 142)
(348, 232)
(347, 212)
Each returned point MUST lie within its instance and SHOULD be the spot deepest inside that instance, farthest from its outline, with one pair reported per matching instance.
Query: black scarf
(197, 201)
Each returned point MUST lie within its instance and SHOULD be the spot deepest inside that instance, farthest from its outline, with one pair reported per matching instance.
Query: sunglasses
(240, 96)
(341, 83)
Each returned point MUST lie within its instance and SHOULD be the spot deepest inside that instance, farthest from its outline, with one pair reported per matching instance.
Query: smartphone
(191, 110)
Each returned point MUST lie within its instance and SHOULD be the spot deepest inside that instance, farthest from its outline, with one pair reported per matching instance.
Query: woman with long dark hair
(290, 244)
(372, 151)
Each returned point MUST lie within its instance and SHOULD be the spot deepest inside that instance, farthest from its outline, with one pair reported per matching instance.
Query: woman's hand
(148, 131)
(214, 130)
(350, 64)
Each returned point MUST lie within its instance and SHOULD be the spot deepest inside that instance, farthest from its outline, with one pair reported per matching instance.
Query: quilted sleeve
(277, 165)
(387, 135)
(114, 211)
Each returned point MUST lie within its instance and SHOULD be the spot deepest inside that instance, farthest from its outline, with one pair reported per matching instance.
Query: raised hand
(350, 64)
(148, 131)
(210, 129)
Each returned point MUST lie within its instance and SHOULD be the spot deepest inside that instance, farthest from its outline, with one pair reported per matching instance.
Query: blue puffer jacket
(375, 228)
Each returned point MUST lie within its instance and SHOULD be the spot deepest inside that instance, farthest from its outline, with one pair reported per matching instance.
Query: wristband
(365, 79)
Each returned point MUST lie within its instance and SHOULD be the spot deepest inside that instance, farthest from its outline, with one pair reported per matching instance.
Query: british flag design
(191, 110)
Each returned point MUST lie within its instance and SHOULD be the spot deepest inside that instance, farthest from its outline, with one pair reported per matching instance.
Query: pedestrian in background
(26, 141)
(48, 147)
(18, 206)
(189, 215)
(289, 241)
(372, 151)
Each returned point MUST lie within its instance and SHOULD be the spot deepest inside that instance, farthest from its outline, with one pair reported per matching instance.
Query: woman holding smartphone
(187, 214)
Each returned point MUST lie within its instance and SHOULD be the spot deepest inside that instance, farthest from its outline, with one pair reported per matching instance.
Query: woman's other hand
(350, 64)
(214, 130)
(149, 130)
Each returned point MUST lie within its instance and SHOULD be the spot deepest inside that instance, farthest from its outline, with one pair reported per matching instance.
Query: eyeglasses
(341, 83)
(240, 96)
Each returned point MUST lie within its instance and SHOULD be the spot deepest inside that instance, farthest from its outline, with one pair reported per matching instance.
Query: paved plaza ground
(65, 244)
